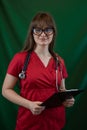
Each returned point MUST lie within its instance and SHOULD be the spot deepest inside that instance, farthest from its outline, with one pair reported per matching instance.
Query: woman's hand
(69, 102)
(35, 107)
(11, 95)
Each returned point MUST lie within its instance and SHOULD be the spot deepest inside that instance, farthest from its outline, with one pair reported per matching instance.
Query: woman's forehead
(43, 25)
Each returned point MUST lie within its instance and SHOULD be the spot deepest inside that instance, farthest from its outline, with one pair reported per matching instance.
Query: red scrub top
(39, 84)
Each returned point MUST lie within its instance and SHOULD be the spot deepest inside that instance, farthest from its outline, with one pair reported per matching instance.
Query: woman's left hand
(69, 102)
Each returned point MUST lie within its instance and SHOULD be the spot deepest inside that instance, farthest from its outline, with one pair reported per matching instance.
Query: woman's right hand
(35, 107)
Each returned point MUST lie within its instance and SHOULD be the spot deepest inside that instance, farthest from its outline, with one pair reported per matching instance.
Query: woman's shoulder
(59, 58)
(15, 65)
(20, 55)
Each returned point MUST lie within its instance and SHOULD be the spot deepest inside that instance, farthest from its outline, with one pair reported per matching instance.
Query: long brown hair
(41, 19)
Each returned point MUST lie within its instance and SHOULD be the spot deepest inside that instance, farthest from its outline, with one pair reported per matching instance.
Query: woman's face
(43, 36)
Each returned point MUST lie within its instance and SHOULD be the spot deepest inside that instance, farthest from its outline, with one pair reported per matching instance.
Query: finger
(36, 112)
(39, 108)
(68, 104)
(70, 100)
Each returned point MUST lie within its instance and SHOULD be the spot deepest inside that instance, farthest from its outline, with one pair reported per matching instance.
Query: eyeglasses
(38, 31)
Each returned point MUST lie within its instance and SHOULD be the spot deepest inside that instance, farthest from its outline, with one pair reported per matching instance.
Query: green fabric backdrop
(71, 44)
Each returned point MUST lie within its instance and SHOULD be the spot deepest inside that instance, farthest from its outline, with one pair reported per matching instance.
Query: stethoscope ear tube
(57, 61)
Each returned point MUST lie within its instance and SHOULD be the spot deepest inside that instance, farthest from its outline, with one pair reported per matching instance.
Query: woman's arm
(67, 102)
(62, 86)
(9, 93)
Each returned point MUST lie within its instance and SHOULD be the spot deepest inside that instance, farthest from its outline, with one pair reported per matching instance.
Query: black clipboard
(58, 98)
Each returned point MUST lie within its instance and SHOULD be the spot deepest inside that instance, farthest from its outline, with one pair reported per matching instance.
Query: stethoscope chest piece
(22, 75)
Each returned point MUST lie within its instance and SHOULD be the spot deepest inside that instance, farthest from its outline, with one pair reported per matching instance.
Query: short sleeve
(15, 66)
(63, 68)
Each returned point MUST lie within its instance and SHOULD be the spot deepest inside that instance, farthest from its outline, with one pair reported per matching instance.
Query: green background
(71, 43)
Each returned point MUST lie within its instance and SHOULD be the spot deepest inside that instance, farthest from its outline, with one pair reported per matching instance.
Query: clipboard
(58, 98)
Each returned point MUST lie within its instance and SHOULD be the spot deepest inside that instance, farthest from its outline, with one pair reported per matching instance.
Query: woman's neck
(42, 51)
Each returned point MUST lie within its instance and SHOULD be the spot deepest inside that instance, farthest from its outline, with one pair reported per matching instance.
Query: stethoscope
(22, 74)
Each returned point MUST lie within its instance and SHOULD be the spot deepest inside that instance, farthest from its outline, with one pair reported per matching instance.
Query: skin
(42, 43)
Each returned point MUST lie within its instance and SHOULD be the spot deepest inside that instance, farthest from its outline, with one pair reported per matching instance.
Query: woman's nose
(43, 34)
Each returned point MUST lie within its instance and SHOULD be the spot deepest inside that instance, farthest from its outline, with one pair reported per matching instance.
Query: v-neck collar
(41, 62)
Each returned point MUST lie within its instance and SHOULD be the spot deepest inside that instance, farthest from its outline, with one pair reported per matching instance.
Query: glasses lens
(48, 31)
(37, 31)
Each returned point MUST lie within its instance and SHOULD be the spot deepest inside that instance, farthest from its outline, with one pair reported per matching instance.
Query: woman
(41, 81)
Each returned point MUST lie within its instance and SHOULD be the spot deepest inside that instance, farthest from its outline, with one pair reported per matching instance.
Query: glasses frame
(43, 30)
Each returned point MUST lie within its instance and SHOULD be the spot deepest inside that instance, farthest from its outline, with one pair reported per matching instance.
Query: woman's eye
(48, 30)
(37, 30)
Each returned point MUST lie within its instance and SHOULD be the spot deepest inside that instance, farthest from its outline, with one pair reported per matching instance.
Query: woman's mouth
(43, 39)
